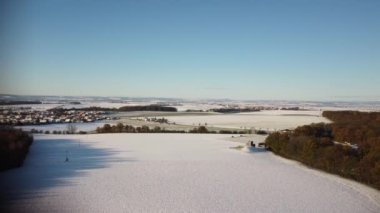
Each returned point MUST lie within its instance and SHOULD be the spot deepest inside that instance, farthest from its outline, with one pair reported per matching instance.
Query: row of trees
(234, 110)
(234, 132)
(70, 129)
(5, 102)
(152, 107)
(14, 146)
(321, 145)
(119, 128)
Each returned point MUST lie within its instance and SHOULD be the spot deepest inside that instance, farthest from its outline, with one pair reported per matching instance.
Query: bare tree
(71, 129)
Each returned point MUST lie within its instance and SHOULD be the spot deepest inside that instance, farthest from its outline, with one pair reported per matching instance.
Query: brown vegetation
(329, 147)
(14, 145)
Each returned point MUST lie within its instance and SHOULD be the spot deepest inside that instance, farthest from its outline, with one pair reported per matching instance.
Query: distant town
(17, 117)
(27, 116)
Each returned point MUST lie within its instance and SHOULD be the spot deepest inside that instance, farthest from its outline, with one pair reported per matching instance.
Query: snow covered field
(171, 173)
(267, 120)
(270, 119)
(63, 127)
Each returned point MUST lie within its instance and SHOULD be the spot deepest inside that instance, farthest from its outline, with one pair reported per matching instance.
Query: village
(31, 117)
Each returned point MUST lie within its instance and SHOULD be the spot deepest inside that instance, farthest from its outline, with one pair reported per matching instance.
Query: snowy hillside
(171, 173)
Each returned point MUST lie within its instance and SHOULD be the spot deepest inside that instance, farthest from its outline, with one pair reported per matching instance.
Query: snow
(267, 120)
(197, 106)
(171, 173)
(270, 119)
(63, 126)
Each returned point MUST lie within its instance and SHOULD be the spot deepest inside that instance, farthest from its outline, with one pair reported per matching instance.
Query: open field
(268, 120)
(171, 173)
(63, 127)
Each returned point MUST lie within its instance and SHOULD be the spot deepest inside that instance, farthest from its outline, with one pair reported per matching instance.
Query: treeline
(3, 102)
(250, 109)
(329, 147)
(234, 110)
(120, 109)
(14, 146)
(120, 128)
(147, 108)
(353, 126)
(241, 132)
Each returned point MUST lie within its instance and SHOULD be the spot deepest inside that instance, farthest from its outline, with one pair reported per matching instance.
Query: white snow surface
(267, 119)
(63, 126)
(171, 173)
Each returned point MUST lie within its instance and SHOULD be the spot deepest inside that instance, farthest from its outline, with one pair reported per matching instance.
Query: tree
(157, 129)
(314, 145)
(107, 128)
(119, 127)
(71, 129)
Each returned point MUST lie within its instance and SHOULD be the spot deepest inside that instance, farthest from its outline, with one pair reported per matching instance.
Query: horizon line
(203, 99)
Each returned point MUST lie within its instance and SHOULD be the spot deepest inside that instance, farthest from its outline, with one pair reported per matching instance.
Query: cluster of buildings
(9, 117)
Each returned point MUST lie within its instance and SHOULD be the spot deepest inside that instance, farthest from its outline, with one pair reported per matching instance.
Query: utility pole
(67, 158)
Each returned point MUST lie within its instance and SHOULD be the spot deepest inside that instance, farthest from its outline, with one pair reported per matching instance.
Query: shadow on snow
(257, 149)
(45, 167)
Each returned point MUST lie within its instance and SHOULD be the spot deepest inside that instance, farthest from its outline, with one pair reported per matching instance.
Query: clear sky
(258, 49)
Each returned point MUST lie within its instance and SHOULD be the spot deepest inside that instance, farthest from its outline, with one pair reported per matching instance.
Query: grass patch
(240, 147)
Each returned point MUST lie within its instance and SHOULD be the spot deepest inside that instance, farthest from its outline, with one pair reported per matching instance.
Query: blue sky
(258, 49)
